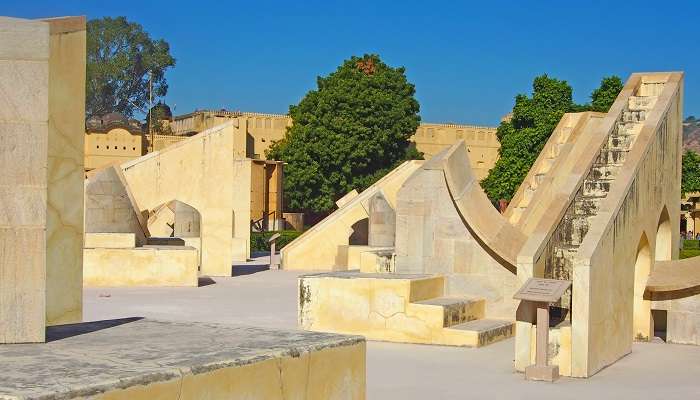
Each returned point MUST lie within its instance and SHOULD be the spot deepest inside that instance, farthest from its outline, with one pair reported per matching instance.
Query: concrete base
(148, 359)
(548, 373)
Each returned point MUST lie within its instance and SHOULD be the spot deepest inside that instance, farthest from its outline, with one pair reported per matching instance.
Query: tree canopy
(533, 121)
(690, 178)
(346, 134)
(604, 96)
(120, 58)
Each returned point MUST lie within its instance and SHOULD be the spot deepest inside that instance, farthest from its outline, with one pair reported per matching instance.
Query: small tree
(346, 134)
(122, 62)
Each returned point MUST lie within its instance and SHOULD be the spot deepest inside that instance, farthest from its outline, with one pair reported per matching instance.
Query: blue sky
(467, 60)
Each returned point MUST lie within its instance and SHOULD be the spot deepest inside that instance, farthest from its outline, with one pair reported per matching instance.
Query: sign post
(541, 292)
(273, 260)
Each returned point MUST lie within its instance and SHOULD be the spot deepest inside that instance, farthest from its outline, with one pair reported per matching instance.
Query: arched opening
(175, 223)
(360, 233)
(642, 326)
(664, 239)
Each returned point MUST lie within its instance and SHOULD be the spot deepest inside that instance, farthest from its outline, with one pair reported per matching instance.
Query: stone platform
(150, 359)
(404, 308)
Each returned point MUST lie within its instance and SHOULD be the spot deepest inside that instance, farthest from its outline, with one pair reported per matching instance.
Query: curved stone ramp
(674, 279)
(319, 247)
(501, 239)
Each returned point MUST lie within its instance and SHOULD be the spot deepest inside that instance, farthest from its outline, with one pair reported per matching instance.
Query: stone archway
(642, 325)
(664, 238)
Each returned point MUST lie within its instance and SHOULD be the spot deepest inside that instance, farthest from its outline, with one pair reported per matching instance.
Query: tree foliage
(346, 134)
(604, 96)
(533, 121)
(690, 178)
(120, 57)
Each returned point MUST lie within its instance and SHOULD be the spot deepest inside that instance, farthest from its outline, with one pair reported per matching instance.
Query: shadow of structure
(59, 332)
(240, 270)
(205, 281)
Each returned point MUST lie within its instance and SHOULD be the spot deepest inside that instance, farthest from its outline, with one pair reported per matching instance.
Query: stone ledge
(122, 356)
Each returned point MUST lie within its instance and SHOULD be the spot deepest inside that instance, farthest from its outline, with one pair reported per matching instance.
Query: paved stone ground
(401, 371)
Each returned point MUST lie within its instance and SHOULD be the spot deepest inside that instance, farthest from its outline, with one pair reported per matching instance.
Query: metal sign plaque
(542, 290)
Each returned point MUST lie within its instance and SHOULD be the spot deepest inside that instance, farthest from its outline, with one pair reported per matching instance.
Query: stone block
(148, 359)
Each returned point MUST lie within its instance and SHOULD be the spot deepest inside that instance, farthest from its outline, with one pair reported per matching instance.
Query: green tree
(346, 134)
(604, 96)
(690, 178)
(533, 121)
(522, 138)
(121, 60)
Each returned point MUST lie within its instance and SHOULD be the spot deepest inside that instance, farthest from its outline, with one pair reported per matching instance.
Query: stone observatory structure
(42, 108)
(594, 210)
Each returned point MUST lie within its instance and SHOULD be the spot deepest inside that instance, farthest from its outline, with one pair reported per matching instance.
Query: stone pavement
(402, 371)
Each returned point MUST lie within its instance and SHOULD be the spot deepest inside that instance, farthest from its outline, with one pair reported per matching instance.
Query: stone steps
(482, 332)
(454, 310)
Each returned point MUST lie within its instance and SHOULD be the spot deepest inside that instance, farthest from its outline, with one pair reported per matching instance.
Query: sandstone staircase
(407, 308)
(542, 166)
(463, 322)
(572, 229)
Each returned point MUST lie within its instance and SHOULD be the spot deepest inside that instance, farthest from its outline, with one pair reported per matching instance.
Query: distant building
(264, 129)
(110, 139)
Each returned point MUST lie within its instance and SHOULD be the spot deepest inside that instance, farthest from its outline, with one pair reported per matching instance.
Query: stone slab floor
(399, 371)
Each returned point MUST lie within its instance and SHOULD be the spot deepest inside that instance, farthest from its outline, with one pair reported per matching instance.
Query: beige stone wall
(64, 228)
(261, 130)
(481, 141)
(110, 206)
(198, 172)
(141, 266)
(117, 145)
(42, 79)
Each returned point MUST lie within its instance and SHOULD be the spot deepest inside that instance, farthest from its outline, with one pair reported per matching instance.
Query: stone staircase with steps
(542, 166)
(402, 308)
(572, 229)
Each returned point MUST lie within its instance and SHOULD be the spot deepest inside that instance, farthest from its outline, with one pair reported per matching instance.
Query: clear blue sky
(467, 60)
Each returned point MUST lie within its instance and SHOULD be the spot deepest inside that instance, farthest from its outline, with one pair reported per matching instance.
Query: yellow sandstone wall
(331, 373)
(42, 78)
(198, 172)
(117, 145)
(64, 228)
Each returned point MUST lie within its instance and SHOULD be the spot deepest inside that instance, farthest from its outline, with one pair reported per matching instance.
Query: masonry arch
(642, 322)
(176, 223)
(664, 238)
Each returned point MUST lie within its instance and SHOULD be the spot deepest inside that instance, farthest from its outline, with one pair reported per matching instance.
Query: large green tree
(522, 138)
(346, 134)
(690, 178)
(532, 123)
(122, 62)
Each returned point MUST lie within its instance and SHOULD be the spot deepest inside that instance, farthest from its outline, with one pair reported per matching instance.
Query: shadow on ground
(240, 270)
(59, 332)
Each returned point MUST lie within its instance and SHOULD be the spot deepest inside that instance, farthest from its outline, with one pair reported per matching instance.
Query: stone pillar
(42, 111)
(382, 222)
